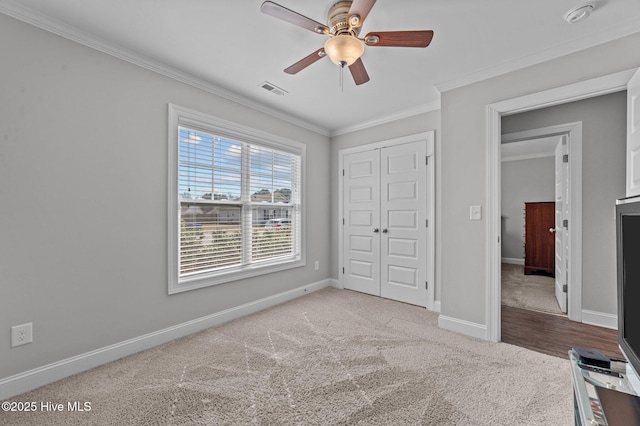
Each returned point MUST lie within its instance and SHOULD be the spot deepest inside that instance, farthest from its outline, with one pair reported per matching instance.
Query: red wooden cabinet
(539, 246)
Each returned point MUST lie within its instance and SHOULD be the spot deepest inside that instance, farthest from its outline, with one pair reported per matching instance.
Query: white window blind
(239, 204)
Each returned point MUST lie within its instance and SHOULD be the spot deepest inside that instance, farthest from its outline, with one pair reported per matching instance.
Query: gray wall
(83, 193)
(403, 127)
(523, 181)
(464, 165)
(604, 132)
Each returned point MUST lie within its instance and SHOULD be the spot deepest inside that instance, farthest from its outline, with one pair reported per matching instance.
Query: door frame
(585, 89)
(429, 139)
(574, 147)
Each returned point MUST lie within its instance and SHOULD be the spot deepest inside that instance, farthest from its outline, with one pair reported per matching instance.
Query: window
(235, 199)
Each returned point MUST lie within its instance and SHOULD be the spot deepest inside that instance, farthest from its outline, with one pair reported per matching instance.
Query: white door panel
(633, 135)
(361, 218)
(402, 191)
(361, 194)
(402, 248)
(398, 275)
(562, 213)
(362, 215)
(403, 181)
(407, 219)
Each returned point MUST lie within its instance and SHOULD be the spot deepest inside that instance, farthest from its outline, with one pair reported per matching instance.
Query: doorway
(587, 89)
(539, 170)
(386, 205)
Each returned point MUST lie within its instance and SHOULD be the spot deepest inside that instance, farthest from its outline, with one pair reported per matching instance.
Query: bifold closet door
(385, 226)
(361, 194)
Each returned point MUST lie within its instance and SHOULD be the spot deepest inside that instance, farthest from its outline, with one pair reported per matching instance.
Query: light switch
(475, 212)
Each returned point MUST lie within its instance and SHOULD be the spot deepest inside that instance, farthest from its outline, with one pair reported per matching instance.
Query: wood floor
(554, 334)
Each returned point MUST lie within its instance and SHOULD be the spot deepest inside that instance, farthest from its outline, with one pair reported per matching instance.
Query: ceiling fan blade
(361, 8)
(399, 38)
(306, 61)
(359, 72)
(281, 12)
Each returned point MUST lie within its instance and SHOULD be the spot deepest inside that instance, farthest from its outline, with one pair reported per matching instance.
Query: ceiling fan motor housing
(337, 19)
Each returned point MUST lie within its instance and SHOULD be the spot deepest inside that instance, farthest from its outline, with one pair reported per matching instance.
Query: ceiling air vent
(273, 88)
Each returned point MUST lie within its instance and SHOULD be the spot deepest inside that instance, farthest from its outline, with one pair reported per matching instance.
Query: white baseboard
(513, 261)
(436, 306)
(461, 326)
(32, 379)
(335, 283)
(600, 319)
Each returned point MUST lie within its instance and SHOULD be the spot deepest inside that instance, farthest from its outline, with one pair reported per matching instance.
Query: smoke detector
(579, 13)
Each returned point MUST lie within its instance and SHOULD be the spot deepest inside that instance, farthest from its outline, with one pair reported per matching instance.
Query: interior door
(403, 223)
(361, 192)
(561, 233)
(633, 135)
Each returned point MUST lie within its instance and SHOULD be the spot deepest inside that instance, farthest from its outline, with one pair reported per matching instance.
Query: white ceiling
(230, 47)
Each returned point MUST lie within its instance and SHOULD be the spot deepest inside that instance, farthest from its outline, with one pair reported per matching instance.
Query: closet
(385, 229)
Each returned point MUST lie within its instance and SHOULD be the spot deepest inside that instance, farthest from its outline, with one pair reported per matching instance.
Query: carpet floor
(333, 357)
(533, 292)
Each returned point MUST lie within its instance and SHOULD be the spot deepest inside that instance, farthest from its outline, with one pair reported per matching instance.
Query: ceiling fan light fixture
(579, 13)
(344, 49)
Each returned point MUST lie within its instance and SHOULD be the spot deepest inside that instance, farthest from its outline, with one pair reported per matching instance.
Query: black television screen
(628, 243)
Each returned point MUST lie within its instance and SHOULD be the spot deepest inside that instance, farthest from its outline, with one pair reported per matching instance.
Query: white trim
(512, 261)
(600, 319)
(32, 379)
(547, 54)
(573, 92)
(431, 217)
(464, 327)
(570, 93)
(429, 138)
(437, 306)
(527, 156)
(493, 249)
(334, 283)
(179, 116)
(61, 29)
(422, 109)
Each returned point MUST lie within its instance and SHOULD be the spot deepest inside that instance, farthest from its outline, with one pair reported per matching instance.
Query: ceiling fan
(344, 48)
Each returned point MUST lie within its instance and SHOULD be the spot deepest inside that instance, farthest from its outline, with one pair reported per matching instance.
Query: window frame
(183, 117)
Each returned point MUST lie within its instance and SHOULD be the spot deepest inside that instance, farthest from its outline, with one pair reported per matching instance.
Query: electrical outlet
(317, 265)
(21, 334)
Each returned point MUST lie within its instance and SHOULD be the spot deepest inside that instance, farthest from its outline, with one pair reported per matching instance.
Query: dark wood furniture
(539, 246)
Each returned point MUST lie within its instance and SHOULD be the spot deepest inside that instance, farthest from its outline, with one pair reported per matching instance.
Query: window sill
(234, 274)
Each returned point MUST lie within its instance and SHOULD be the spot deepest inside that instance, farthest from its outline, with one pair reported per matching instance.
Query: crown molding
(56, 27)
(434, 106)
(558, 51)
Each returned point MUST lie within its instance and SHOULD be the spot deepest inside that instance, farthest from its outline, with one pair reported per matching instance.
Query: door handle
(376, 230)
(384, 231)
(552, 230)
